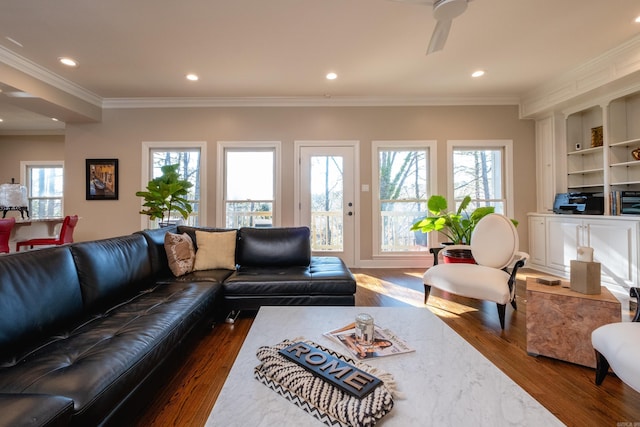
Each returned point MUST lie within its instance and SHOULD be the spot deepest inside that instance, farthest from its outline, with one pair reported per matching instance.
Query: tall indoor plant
(166, 194)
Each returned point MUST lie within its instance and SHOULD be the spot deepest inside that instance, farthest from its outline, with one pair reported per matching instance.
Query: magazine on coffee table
(385, 342)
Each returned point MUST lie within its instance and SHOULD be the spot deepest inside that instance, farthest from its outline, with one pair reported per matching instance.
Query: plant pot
(170, 222)
(453, 256)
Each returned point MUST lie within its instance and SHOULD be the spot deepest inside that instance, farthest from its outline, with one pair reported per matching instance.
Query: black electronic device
(630, 202)
(579, 203)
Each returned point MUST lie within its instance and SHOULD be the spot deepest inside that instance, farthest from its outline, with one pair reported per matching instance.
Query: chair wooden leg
(602, 367)
(502, 308)
(427, 292)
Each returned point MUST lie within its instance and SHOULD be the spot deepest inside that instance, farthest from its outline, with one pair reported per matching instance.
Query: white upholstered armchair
(494, 245)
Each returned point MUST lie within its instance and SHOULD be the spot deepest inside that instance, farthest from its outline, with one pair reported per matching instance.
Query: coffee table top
(445, 382)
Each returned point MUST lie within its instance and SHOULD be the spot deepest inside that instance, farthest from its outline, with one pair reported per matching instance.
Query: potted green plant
(166, 194)
(457, 225)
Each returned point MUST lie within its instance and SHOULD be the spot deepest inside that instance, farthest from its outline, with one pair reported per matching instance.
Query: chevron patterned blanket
(319, 397)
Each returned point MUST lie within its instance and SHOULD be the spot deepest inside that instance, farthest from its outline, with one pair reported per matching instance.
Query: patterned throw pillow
(180, 253)
(215, 250)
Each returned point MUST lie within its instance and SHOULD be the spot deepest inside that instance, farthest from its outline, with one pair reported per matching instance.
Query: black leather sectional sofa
(84, 326)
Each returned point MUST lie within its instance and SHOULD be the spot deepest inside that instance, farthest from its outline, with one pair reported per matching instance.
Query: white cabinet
(563, 236)
(537, 239)
(545, 165)
(614, 242)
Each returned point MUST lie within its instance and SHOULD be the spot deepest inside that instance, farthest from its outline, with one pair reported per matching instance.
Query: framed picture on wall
(102, 179)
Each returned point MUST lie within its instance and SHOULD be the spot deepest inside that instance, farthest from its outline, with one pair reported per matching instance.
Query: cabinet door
(537, 250)
(545, 169)
(614, 246)
(564, 235)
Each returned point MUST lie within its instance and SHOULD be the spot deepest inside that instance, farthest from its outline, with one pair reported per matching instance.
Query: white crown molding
(38, 72)
(606, 69)
(31, 132)
(303, 102)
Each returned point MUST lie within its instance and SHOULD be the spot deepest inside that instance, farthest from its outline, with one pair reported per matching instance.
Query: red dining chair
(66, 235)
(6, 224)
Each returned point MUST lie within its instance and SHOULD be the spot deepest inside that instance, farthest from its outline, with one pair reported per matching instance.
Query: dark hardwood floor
(188, 393)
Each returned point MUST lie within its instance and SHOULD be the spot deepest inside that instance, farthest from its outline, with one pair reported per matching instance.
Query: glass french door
(326, 198)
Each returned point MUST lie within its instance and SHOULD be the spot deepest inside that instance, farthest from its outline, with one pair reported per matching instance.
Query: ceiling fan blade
(439, 36)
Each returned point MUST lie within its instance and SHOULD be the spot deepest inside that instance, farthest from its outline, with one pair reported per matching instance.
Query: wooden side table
(560, 321)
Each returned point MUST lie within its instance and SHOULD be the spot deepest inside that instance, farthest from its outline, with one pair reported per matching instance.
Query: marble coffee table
(445, 382)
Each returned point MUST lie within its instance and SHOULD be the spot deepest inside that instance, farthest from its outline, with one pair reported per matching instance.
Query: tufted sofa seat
(84, 326)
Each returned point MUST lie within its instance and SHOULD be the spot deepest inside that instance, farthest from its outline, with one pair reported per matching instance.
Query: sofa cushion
(324, 276)
(274, 247)
(39, 293)
(181, 254)
(157, 253)
(111, 269)
(326, 281)
(216, 250)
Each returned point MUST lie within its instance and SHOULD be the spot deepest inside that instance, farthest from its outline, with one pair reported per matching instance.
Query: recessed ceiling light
(1, 120)
(19, 94)
(54, 119)
(192, 77)
(332, 76)
(478, 73)
(638, 19)
(69, 62)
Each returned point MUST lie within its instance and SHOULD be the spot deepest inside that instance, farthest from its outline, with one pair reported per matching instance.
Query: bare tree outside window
(189, 161)
(478, 172)
(403, 198)
(327, 195)
(45, 189)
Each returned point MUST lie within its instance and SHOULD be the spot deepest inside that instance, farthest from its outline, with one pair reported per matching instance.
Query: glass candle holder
(364, 329)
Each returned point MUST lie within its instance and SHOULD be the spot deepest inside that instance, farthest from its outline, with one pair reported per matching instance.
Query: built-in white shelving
(585, 163)
(624, 130)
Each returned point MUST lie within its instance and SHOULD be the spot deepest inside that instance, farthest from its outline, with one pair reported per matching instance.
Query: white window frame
(222, 176)
(432, 186)
(506, 145)
(147, 146)
(24, 164)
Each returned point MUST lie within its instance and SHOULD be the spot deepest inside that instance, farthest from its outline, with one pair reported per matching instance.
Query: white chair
(617, 345)
(494, 246)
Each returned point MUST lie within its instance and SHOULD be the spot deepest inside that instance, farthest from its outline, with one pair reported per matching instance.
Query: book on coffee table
(385, 342)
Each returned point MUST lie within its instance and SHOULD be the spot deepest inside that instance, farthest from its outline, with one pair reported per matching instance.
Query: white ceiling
(283, 48)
